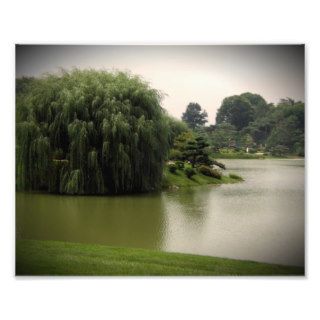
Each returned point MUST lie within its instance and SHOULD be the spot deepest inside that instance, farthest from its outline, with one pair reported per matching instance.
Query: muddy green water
(261, 219)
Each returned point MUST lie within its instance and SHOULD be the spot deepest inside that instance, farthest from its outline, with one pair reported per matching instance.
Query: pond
(260, 219)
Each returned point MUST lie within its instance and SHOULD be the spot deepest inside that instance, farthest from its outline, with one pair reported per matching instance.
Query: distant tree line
(248, 121)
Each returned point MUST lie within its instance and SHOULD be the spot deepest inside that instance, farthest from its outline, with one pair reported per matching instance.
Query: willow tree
(90, 132)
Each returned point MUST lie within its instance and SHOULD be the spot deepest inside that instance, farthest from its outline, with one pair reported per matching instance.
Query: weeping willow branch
(90, 132)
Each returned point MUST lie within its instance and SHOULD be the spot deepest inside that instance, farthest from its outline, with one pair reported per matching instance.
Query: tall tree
(288, 126)
(90, 132)
(194, 116)
(235, 110)
(176, 127)
(224, 135)
(287, 101)
(259, 104)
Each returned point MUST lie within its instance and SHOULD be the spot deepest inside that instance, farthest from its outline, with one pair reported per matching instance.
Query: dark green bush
(180, 165)
(175, 154)
(279, 151)
(189, 172)
(207, 171)
(235, 176)
(301, 153)
(299, 149)
(219, 164)
(172, 168)
(106, 127)
(215, 173)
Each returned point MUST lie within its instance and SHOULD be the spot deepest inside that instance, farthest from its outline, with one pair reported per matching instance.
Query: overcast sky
(203, 74)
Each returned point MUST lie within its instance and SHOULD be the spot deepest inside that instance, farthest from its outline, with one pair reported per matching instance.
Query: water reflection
(135, 221)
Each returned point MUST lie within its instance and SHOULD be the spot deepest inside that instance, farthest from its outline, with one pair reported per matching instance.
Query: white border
(157, 22)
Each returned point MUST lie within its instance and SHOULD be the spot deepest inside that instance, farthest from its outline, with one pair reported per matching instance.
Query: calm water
(260, 219)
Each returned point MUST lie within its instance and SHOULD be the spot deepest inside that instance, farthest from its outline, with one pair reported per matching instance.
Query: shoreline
(179, 180)
(254, 157)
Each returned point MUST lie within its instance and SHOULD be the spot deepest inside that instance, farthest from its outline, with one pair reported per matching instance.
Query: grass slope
(35, 257)
(237, 155)
(180, 179)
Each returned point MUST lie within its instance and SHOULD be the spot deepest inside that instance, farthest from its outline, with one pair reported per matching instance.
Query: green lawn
(35, 257)
(237, 155)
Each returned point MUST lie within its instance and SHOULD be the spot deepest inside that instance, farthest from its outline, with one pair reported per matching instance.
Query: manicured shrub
(172, 168)
(175, 154)
(235, 176)
(189, 172)
(219, 164)
(215, 173)
(180, 165)
(207, 171)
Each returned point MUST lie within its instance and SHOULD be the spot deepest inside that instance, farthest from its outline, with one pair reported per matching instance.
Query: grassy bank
(179, 179)
(237, 155)
(251, 156)
(62, 258)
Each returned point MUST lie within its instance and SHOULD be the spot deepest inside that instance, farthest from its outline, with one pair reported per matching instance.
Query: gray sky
(203, 74)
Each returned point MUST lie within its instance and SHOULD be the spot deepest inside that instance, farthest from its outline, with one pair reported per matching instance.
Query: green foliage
(246, 140)
(202, 156)
(235, 110)
(192, 147)
(189, 172)
(219, 164)
(235, 176)
(238, 155)
(190, 152)
(180, 145)
(194, 116)
(180, 165)
(207, 171)
(176, 127)
(288, 130)
(179, 179)
(279, 151)
(91, 132)
(216, 174)
(72, 182)
(175, 154)
(27, 132)
(248, 120)
(260, 129)
(182, 140)
(298, 148)
(223, 135)
(172, 168)
(258, 103)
